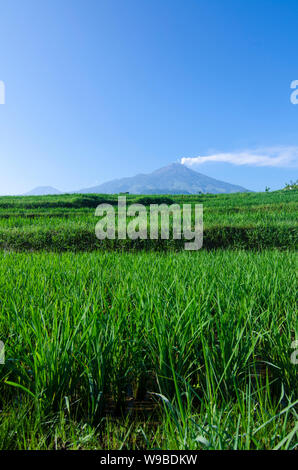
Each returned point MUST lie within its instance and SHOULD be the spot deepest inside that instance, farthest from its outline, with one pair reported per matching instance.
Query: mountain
(43, 191)
(173, 179)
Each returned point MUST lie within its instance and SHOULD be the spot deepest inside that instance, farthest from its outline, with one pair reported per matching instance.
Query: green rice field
(131, 345)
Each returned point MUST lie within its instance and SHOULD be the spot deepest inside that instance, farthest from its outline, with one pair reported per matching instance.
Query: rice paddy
(113, 347)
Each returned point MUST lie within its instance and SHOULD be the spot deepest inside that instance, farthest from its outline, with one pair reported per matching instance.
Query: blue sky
(100, 89)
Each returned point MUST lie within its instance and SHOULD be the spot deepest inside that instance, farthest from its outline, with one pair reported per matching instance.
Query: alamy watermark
(2, 92)
(294, 355)
(2, 353)
(294, 94)
(138, 221)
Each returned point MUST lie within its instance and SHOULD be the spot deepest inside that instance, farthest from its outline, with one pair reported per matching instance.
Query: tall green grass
(206, 336)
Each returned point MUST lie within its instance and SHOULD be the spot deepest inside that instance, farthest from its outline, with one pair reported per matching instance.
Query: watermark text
(2, 92)
(138, 221)
(2, 353)
(294, 94)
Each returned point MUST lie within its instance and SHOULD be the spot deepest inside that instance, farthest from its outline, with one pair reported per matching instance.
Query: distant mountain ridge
(43, 191)
(172, 179)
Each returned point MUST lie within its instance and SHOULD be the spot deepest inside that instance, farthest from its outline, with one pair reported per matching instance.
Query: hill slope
(172, 179)
(42, 191)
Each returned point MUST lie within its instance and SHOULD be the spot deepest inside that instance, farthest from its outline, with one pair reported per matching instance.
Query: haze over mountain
(172, 179)
(43, 191)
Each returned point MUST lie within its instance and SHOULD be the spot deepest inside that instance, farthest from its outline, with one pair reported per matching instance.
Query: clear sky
(101, 89)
